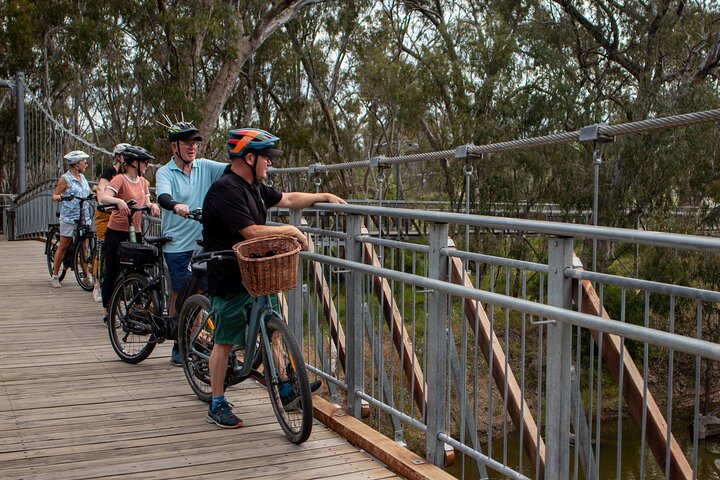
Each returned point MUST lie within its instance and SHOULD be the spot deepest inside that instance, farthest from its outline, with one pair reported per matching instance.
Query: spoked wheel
(131, 308)
(196, 335)
(83, 261)
(195, 340)
(51, 246)
(287, 382)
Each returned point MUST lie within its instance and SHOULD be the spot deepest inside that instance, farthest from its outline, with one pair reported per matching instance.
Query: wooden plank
(656, 426)
(70, 409)
(522, 417)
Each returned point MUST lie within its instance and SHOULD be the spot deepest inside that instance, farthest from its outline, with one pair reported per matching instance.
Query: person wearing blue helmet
(180, 187)
(235, 209)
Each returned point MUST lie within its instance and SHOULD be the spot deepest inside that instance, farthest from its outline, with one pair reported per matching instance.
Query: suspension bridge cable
(60, 126)
(640, 126)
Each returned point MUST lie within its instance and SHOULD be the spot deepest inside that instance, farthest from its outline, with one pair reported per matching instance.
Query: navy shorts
(179, 268)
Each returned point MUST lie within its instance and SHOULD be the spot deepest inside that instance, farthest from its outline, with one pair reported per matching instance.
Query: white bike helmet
(75, 156)
(120, 148)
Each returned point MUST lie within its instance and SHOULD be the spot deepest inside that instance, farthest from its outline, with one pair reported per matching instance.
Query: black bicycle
(81, 251)
(138, 317)
(269, 343)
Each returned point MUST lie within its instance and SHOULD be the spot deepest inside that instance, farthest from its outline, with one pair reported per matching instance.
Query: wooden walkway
(70, 409)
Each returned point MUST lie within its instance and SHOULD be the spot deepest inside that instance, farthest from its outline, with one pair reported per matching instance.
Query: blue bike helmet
(246, 140)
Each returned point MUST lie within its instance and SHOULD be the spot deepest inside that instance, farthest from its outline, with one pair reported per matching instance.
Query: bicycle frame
(259, 314)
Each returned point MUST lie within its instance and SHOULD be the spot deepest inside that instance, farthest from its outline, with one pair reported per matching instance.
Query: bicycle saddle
(157, 240)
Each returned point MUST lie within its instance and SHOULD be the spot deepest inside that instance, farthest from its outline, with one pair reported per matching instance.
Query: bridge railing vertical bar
(295, 296)
(354, 316)
(436, 348)
(559, 343)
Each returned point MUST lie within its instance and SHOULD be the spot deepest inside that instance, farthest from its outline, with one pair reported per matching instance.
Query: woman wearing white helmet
(71, 182)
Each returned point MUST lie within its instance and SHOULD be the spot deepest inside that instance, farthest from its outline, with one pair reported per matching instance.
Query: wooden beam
(656, 426)
(533, 442)
(398, 459)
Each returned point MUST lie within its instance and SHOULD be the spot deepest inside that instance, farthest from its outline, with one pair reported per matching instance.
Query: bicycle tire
(194, 317)
(84, 253)
(295, 417)
(130, 326)
(51, 244)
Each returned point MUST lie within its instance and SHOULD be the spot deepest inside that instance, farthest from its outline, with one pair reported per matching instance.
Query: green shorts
(231, 317)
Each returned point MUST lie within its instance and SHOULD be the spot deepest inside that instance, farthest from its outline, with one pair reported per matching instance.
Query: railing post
(559, 350)
(354, 359)
(295, 310)
(436, 348)
(20, 106)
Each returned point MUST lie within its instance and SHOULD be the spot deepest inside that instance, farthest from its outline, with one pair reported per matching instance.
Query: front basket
(269, 264)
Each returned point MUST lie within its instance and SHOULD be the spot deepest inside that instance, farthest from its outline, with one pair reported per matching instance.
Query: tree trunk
(246, 44)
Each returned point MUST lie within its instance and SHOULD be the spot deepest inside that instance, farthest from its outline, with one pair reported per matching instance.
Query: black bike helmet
(134, 153)
(183, 131)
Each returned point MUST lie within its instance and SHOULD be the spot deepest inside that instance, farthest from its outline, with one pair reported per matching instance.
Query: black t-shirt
(109, 173)
(230, 205)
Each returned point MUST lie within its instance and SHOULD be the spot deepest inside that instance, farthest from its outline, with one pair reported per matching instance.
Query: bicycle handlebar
(72, 196)
(108, 207)
(195, 215)
(213, 256)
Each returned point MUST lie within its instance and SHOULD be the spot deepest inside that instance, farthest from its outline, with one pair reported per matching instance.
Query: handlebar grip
(217, 255)
(106, 207)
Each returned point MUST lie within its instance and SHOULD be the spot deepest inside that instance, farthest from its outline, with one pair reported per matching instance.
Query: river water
(630, 456)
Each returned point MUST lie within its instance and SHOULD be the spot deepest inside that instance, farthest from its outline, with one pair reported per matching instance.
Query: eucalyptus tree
(645, 59)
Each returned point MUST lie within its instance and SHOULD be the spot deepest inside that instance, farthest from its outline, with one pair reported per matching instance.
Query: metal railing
(505, 360)
(516, 365)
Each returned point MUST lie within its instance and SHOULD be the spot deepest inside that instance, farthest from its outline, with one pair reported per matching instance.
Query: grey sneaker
(97, 295)
(55, 282)
(223, 416)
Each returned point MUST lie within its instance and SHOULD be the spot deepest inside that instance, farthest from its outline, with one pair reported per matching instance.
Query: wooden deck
(70, 409)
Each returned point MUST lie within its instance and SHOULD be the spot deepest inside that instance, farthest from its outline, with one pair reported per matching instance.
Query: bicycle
(81, 251)
(138, 317)
(269, 342)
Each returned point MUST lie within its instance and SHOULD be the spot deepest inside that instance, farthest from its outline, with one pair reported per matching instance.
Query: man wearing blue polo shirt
(180, 186)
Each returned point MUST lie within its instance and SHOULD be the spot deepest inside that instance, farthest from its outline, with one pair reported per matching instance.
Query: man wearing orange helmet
(235, 209)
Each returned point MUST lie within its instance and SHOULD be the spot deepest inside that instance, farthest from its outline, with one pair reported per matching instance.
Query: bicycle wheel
(195, 340)
(132, 307)
(83, 260)
(51, 246)
(288, 388)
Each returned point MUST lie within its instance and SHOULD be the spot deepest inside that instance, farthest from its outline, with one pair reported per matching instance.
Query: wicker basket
(269, 264)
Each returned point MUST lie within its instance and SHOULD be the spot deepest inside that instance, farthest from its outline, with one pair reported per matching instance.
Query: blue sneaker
(287, 395)
(175, 358)
(223, 416)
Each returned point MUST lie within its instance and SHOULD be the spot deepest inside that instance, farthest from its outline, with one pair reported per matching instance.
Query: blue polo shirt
(189, 190)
